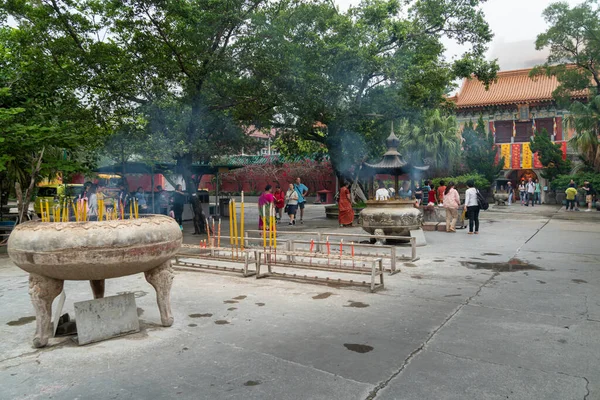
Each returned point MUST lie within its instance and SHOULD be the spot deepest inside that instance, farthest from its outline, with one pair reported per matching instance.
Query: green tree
(574, 42)
(585, 119)
(550, 154)
(480, 152)
(44, 128)
(355, 72)
(434, 142)
(573, 39)
(184, 65)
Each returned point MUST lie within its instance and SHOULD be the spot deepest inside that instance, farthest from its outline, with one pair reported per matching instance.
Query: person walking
(178, 200)
(279, 196)
(346, 212)
(538, 192)
(162, 198)
(302, 192)
(451, 204)
(511, 193)
(530, 193)
(291, 199)
(265, 201)
(589, 194)
(441, 191)
(472, 207)
(571, 193)
(522, 192)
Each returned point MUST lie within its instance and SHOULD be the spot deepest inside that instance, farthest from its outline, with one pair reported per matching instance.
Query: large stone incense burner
(94, 251)
(391, 217)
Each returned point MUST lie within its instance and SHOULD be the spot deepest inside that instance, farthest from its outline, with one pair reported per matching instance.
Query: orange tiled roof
(511, 87)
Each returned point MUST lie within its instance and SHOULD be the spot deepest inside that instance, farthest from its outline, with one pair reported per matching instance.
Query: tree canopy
(480, 152)
(574, 42)
(189, 76)
(44, 127)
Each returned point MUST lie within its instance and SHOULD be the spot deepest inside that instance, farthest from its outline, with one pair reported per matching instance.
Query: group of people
(451, 202)
(164, 202)
(530, 191)
(288, 202)
(572, 196)
(428, 194)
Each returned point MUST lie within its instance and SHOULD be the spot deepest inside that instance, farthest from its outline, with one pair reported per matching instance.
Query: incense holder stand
(53, 252)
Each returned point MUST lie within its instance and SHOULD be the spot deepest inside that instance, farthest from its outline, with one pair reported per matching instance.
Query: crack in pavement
(373, 394)
(415, 352)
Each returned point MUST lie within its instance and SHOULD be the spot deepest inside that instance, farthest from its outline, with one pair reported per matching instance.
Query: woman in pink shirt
(451, 204)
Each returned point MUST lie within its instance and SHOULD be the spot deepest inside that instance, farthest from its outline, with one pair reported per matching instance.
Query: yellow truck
(56, 193)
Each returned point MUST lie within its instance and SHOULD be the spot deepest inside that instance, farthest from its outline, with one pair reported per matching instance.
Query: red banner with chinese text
(516, 156)
(563, 147)
(537, 164)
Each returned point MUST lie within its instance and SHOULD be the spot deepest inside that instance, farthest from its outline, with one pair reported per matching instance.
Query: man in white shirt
(382, 193)
(530, 186)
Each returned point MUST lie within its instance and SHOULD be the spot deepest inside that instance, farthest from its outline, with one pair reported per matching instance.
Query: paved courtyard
(461, 323)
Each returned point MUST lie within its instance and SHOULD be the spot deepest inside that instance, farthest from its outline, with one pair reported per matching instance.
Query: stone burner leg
(43, 291)
(161, 278)
(98, 288)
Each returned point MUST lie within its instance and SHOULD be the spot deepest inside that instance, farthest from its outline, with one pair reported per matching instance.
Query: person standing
(538, 192)
(571, 193)
(291, 198)
(511, 193)
(572, 182)
(431, 194)
(178, 199)
(418, 194)
(381, 194)
(522, 192)
(441, 191)
(530, 193)
(140, 197)
(279, 196)
(162, 200)
(302, 192)
(472, 207)
(451, 204)
(589, 194)
(426, 188)
(346, 212)
(265, 202)
(92, 200)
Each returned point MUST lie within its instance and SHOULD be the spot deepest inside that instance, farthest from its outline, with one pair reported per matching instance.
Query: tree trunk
(184, 167)
(23, 198)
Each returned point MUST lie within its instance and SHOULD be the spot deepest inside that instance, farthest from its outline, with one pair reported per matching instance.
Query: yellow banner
(527, 156)
(505, 153)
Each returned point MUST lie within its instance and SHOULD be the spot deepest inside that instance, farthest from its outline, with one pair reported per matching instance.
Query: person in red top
(440, 192)
(431, 195)
(279, 202)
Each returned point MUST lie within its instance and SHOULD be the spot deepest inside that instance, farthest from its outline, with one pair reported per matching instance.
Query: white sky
(511, 21)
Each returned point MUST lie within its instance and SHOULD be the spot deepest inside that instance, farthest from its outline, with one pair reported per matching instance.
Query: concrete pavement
(512, 313)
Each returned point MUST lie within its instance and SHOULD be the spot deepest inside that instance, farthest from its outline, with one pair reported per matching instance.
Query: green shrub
(461, 181)
(561, 182)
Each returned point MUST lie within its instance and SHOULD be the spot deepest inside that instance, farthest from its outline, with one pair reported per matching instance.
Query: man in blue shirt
(302, 191)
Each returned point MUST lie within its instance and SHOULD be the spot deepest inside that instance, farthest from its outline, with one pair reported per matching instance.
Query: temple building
(513, 107)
